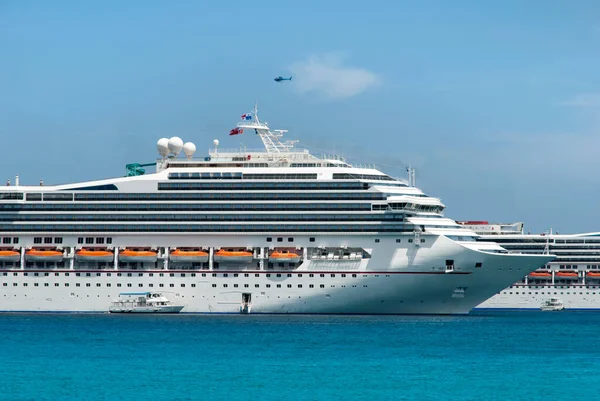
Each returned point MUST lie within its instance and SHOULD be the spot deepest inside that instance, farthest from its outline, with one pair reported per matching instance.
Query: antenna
(412, 182)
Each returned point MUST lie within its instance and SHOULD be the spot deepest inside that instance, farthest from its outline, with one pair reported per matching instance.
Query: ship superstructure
(272, 231)
(573, 277)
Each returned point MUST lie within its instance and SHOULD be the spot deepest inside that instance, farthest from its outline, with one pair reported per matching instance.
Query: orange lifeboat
(284, 256)
(565, 274)
(540, 275)
(43, 255)
(95, 255)
(188, 255)
(138, 255)
(593, 275)
(225, 255)
(9, 255)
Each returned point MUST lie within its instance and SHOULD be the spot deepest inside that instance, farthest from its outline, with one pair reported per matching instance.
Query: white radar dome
(189, 149)
(216, 142)
(175, 145)
(163, 146)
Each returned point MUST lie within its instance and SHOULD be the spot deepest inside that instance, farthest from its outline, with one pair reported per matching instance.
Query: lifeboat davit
(593, 275)
(540, 275)
(94, 255)
(138, 255)
(43, 255)
(566, 275)
(9, 255)
(188, 255)
(284, 256)
(224, 255)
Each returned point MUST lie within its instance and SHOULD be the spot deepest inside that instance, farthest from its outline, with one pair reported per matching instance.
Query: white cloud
(327, 75)
(584, 100)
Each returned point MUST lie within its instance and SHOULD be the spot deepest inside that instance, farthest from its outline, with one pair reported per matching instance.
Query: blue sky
(497, 104)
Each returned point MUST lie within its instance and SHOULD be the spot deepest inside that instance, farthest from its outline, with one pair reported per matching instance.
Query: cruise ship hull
(394, 280)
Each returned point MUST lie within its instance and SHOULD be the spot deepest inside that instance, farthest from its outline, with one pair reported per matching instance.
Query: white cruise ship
(271, 231)
(573, 277)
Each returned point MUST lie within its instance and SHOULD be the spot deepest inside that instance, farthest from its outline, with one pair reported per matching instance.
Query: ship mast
(270, 138)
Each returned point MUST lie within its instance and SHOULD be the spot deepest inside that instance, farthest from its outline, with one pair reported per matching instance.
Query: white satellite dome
(216, 142)
(175, 145)
(163, 147)
(189, 149)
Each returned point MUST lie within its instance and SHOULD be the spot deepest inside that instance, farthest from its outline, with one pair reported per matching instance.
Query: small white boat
(552, 304)
(143, 302)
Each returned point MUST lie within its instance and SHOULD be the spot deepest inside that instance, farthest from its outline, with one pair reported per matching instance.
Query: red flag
(236, 131)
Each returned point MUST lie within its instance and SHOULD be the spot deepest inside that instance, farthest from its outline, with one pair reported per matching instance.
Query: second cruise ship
(573, 277)
(272, 231)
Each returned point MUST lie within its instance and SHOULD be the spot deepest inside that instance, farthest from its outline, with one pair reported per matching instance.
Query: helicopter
(279, 79)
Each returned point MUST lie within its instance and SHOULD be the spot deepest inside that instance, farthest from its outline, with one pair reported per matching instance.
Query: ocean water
(483, 356)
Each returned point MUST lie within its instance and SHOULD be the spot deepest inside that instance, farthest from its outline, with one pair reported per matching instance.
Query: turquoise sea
(484, 356)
